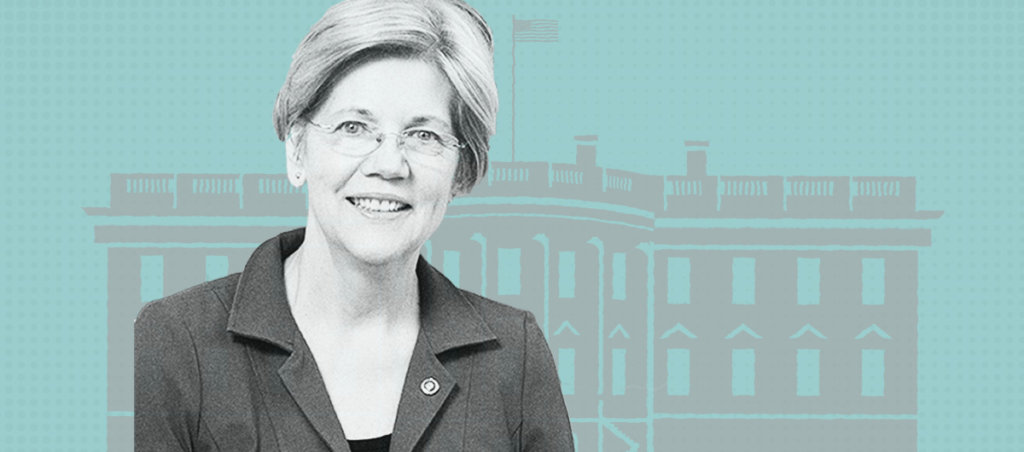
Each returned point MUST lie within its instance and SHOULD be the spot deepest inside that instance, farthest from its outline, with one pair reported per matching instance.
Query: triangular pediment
(743, 328)
(678, 328)
(619, 329)
(873, 329)
(566, 326)
(808, 329)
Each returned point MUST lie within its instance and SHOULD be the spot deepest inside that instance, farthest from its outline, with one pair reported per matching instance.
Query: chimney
(696, 160)
(586, 150)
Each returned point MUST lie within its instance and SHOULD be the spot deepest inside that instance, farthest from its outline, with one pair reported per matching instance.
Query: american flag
(535, 30)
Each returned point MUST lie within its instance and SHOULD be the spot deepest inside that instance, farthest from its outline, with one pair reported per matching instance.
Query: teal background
(930, 89)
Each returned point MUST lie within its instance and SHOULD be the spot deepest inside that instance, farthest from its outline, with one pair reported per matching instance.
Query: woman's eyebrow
(362, 112)
(421, 120)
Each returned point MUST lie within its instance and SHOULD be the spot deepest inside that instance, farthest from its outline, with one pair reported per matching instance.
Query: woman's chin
(379, 256)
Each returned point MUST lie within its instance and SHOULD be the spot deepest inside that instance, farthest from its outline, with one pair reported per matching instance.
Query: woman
(338, 336)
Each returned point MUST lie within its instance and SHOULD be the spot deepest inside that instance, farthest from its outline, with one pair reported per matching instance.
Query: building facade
(691, 312)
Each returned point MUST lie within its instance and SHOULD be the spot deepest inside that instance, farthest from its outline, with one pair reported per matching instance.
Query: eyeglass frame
(457, 144)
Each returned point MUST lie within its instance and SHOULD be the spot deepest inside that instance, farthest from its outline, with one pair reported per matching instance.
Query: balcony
(514, 179)
(208, 194)
(575, 182)
(751, 196)
(817, 197)
(883, 197)
(272, 195)
(634, 190)
(142, 194)
(691, 196)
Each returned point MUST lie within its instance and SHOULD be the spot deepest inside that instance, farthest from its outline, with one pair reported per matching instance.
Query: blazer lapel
(301, 377)
(260, 311)
(447, 321)
(427, 386)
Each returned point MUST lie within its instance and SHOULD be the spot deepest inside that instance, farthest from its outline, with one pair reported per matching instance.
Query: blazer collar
(260, 307)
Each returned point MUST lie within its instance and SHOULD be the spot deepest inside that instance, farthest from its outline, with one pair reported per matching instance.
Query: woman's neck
(329, 288)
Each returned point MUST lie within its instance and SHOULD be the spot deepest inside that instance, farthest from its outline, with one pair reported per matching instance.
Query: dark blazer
(222, 366)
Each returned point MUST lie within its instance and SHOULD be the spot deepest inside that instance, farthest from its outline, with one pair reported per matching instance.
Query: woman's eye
(424, 135)
(351, 128)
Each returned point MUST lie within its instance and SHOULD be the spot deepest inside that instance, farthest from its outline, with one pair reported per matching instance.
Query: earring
(298, 175)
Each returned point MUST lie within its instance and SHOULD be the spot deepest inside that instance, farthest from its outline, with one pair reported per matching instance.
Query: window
(216, 267)
(566, 274)
(151, 273)
(808, 372)
(618, 371)
(451, 266)
(873, 280)
(678, 280)
(743, 372)
(567, 370)
(619, 276)
(678, 371)
(743, 280)
(872, 373)
(508, 271)
(808, 281)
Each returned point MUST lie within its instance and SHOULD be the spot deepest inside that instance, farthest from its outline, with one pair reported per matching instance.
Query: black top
(370, 445)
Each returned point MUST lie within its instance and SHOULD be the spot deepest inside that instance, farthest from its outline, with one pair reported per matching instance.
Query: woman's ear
(293, 158)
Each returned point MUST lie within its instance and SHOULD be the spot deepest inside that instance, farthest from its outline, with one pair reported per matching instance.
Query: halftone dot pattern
(91, 88)
(923, 88)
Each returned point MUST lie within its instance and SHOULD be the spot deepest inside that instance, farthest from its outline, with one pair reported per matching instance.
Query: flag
(535, 30)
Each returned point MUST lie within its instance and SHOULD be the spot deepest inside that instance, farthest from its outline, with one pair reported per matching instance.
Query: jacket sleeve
(167, 384)
(545, 421)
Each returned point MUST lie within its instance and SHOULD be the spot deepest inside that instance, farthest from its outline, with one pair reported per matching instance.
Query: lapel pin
(430, 386)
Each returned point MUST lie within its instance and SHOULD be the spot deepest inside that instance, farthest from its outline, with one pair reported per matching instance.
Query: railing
(743, 186)
(633, 190)
(751, 196)
(208, 194)
(817, 197)
(205, 184)
(272, 195)
(883, 197)
(691, 196)
(572, 181)
(673, 196)
(684, 186)
(272, 184)
(566, 174)
(811, 186)
(148, 183)
(876, 186)
(514, 179)
(510, 174)
(618, 181)
(144, 194)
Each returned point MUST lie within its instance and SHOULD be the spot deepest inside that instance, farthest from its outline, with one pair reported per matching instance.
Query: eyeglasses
(358, 139)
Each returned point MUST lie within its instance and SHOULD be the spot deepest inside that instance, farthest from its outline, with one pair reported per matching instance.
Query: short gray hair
(447, 33)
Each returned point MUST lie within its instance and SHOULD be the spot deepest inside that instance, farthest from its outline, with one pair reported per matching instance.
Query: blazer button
(430, 386)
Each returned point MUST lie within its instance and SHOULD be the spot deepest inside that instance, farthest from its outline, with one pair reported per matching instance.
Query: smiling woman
(339, 336)
(375, 198)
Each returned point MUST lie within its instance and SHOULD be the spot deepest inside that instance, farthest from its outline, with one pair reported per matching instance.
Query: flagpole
(535, 30)
(513, 87)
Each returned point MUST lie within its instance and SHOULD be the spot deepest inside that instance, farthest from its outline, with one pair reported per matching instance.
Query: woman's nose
(388, 161)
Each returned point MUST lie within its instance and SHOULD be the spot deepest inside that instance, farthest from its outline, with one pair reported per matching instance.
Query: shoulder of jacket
(504, 320)
(197, 306)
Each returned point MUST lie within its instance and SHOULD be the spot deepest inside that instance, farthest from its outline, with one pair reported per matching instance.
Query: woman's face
(383, 206)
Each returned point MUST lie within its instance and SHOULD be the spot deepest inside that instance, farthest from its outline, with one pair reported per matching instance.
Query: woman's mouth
(378, 205)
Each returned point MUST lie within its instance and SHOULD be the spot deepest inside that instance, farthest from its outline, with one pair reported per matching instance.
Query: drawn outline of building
(691, 312)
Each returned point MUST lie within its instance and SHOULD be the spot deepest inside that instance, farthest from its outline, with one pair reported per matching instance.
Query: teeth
(377, 205)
